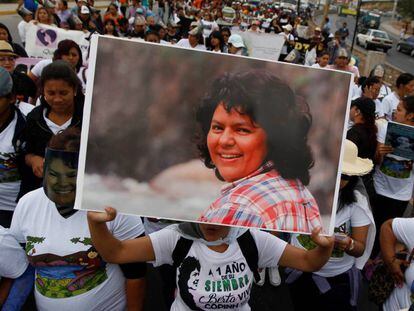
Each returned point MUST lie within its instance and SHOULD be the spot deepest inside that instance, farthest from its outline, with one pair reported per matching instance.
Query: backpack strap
(249, 250)
(180, 251)
(20, 125)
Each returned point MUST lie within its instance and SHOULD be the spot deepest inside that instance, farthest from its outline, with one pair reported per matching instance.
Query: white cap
(84, 10)
(288, 27)
(237, 41)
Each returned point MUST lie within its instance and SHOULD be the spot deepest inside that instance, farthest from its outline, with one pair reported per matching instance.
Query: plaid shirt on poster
(265, 199)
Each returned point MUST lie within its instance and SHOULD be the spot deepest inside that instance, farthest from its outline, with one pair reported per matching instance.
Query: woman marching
(336, 285)
(214, 270)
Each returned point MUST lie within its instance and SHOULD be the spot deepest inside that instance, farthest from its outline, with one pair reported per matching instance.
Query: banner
(42, 40)
(26, 63)
(262, 45)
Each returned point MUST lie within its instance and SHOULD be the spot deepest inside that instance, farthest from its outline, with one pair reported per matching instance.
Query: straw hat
(352, 165)
(6, 49)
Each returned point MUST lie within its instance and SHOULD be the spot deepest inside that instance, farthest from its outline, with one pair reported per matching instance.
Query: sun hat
(6, 49)
(352, 165)
(237, 41)
(84, 10)
(288, 27)
(6, 82)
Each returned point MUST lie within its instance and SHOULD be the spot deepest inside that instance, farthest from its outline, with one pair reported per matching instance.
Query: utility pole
(394, 9)
(356, 24)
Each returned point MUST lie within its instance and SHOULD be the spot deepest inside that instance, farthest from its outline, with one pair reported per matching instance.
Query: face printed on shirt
(59, 180)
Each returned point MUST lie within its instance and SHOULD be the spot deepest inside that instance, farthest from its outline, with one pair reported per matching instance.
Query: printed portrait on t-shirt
(214, 286)
(66, 276)
(396, 168)
(8, 167)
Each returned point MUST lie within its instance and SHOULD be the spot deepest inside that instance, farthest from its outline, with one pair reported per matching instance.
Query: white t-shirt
(389, 104)
(352, 215)
(9, 174)
(24, 107)
(22, 28)
(186, 44)
(55, 128)
(13, 260)
(316, 66)
(384, 91)
(394, 177)
(212, 280)
(401, 298)
(70, 274)
(208, 27)
(38, 68)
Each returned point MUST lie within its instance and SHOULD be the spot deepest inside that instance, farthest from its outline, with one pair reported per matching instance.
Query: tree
(406, 8)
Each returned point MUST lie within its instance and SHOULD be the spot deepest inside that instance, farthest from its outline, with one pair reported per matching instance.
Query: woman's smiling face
(237, 145)
(60, 182)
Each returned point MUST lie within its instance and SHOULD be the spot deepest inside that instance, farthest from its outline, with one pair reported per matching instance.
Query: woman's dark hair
(272, 105)
(67, 140)
(216, 35)
(346, 194)
(64, 47)
(408, 103)
(110, 21)
(188, 265)
(369, 118)
(225, 29)
(59, 70)
(9, 39)
(112, 4)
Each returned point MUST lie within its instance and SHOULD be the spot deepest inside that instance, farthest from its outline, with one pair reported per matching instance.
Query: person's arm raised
(112, 249)
(312, 260)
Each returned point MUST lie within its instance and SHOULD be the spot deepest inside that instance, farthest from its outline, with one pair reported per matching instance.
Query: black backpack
(247, 246)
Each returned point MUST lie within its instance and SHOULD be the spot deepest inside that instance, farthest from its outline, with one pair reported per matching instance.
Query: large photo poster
(198, 136)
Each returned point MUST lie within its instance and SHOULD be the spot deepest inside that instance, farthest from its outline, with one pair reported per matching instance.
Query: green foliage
(85, 241)
(406, 8)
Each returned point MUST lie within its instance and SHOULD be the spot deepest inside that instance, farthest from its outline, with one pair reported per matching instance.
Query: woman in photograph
(215, 264)
(61, 107)
(70, 274)
(354, 238)
(253, 133)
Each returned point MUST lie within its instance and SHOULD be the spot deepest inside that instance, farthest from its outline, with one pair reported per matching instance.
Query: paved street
(395, 58)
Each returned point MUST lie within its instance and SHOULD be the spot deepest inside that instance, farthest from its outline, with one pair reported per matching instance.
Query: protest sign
(26, 63)
(42, 40)
(141, 146)
(262, 45)
(401, 138)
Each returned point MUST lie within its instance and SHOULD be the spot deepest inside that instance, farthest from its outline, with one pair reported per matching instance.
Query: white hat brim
(359, 168)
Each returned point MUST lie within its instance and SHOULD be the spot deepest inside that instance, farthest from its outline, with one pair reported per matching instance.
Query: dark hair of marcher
(188, 265)
(404, 79)
(272, 105)
(59, 70)
(369, 120)
(9, 39)
(64, 47)
(67, 140)
(347, 194)
(217, 35)
(111, 21)
(408, 103)
(370, 81)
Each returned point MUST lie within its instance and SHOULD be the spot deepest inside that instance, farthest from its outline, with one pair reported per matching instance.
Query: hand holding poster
(42, 40)
(149, 154)
(401, 138)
